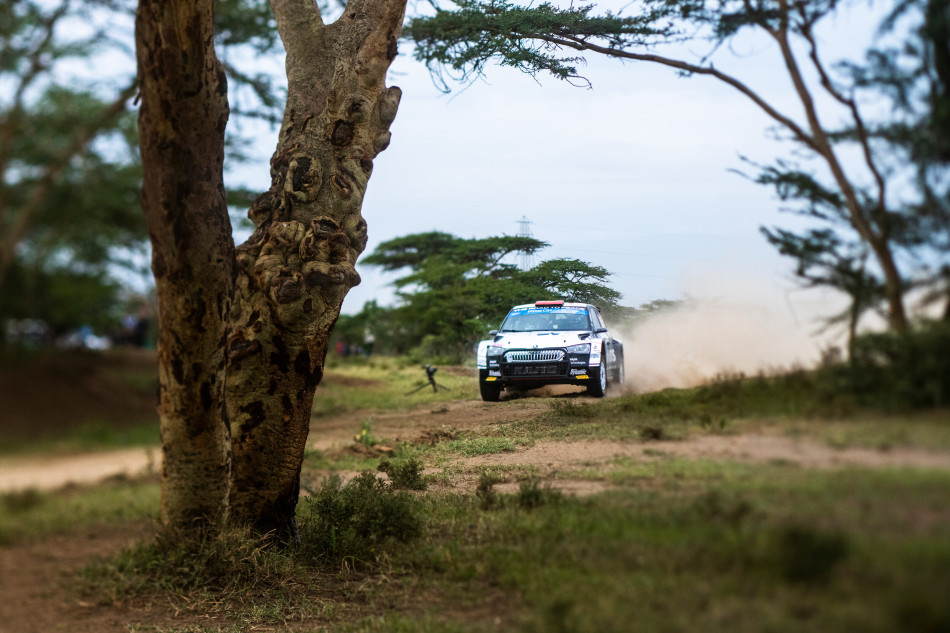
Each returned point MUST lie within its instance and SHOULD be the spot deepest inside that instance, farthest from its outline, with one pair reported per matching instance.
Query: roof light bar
(539, 304)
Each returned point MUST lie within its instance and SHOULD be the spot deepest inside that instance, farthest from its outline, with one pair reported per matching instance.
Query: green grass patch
(381, 383)
(474, 446)
(796, 404)
(254, 579)
(780, 553)
(677, 545)
(31, 514)
(92, 435)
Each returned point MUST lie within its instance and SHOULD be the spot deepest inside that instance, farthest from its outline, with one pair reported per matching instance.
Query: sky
(635, 174)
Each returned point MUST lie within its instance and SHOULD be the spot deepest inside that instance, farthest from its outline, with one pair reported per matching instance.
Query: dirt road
(337, 431)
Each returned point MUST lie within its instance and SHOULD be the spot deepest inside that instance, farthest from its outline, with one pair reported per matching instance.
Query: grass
(676, 545)
(671, 544)
(382, 383)
(776, 555)
(31, 514)
(92, 435)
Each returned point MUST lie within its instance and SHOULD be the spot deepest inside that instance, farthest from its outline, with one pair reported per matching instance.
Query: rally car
(550, 343)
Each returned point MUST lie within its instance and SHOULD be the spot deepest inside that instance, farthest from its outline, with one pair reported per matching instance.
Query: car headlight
(582, 348)
(495, 350)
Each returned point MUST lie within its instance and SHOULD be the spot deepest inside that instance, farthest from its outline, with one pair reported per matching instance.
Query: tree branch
(852, 106)
(36, 66)
(296, 19)
(581, 45)
(40, 191)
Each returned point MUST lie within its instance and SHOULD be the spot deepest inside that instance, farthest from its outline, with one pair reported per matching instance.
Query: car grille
(539, 370)
(535, 356)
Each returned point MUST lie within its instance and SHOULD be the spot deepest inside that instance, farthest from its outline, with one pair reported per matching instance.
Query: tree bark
(297, 266)
(243, 332)
(181, 123)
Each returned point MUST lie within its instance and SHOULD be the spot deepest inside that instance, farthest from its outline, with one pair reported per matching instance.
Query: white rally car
(550, 343)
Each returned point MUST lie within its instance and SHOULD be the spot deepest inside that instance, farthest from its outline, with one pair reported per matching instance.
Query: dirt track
(33, 574)
(337, 432)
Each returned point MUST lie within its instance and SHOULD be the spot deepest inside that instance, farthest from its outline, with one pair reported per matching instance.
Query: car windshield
(541, 319)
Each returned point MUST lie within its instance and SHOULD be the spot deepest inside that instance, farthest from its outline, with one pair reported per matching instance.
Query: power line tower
(527, 257)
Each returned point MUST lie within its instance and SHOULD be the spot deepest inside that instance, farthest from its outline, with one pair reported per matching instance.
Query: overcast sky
(633, 174)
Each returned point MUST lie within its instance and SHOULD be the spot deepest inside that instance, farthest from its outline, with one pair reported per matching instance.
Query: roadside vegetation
(390, 542)
(383, 382)
(677, 546)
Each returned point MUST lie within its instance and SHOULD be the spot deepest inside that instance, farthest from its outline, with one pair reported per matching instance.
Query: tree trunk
(298, 265)
(243, 333)
(181, 123)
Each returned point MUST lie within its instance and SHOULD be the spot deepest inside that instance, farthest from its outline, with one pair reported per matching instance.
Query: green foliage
(69, 161)
(365, 436)
(807, 555)
(405, 475)
(466, 39)
(32, 514)
(474, 446)
(64, 299)
(353, 523)
(233, 562)
(696, 550)
(900, 371)
(17, 501)
(455, 290)
(532, 494)
(485, 491)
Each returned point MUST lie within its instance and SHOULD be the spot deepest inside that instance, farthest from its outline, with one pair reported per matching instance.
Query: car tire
(491, 392)
(619, 374)
(598, 388)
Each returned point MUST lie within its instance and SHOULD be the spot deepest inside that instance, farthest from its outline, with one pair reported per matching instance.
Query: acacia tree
(47, 138)
(857, 196)
(70, 173)
(453, 290)
(243, 330)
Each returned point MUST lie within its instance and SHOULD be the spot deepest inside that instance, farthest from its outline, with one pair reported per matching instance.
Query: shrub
(900, 371)
(354, 521)
(404, 476)
(486, 489)
(807, 555)
(531, 495)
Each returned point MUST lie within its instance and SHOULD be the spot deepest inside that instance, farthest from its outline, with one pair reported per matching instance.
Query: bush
(901, 371)
(486, 489)
(531, 495)
(353, 522)
(806, 555)
(404, 476)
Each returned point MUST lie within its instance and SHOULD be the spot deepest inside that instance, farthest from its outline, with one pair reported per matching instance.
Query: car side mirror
(493, 333)
(600, 330)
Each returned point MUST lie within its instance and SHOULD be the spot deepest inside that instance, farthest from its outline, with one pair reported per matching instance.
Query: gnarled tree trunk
(294, 271)
(244, 332)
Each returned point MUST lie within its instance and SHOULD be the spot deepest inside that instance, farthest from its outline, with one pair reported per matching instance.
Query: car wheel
(491, 392)
(599, 388)
(619, 375)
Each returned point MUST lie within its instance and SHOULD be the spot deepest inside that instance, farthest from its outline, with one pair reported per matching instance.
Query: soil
(36, 575)
(37, 579)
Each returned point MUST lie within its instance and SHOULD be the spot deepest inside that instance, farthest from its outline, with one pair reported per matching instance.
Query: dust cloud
(702, 338)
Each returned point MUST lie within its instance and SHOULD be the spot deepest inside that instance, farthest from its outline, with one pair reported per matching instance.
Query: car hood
(540, 340)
